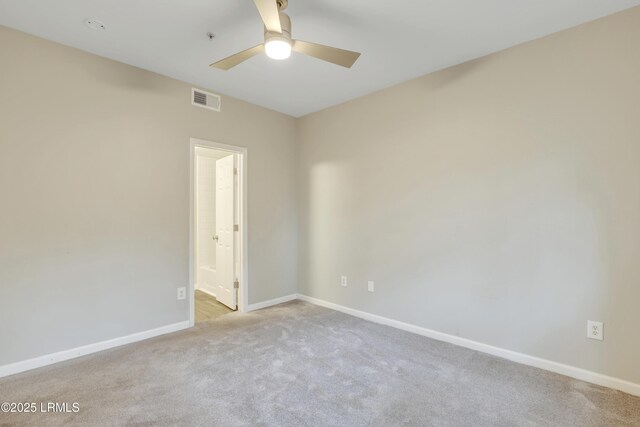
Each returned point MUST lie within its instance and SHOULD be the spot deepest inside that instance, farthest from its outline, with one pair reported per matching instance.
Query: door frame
(243, 237)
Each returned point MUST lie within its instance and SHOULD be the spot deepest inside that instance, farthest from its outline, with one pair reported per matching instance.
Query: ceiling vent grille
(207, 100)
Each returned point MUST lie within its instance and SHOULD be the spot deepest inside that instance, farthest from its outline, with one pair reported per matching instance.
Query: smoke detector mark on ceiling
(94, 24)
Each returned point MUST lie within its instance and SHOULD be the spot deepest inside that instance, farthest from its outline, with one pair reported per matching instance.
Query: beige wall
(94, 196)
(498, 200)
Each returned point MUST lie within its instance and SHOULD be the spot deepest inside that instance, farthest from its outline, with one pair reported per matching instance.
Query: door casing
(243, 271)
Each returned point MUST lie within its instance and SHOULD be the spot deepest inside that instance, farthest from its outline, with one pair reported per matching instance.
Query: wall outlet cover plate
(595, 330)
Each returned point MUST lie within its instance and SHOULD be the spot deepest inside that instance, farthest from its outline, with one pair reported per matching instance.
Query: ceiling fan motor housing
(278, 43)
(285, 23)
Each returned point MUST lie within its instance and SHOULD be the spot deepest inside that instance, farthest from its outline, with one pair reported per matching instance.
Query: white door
(225, 292)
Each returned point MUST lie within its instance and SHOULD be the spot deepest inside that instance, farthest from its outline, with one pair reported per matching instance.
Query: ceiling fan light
(277, 48)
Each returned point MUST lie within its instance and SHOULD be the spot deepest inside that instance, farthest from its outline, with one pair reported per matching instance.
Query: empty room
(320, 213)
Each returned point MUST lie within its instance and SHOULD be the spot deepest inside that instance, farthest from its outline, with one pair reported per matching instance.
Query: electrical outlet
(343, 281)
(595, 330)
(182, 293)
(370, 286)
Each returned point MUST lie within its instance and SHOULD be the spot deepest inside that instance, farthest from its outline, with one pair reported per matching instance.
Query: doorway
(217, 259)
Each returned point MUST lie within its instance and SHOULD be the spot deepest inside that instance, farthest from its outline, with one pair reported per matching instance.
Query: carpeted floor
(301, 365)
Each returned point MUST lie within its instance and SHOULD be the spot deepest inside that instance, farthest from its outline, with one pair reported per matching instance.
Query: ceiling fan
(278, 43)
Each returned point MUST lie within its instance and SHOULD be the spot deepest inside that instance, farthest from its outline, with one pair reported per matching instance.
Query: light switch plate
(370, 286)
(343, 281)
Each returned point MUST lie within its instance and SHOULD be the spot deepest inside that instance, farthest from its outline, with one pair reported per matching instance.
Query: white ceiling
(399, 39)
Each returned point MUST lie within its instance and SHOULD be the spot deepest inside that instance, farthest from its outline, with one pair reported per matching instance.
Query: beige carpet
(302, 365)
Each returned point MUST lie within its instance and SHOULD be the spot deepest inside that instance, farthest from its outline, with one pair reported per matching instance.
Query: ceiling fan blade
(270, 14)
(233, 60)
(345, 58)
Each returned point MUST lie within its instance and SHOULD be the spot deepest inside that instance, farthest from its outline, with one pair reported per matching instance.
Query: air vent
(207, 100)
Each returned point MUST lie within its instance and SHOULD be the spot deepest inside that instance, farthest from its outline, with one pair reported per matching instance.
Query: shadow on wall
(452, 75)
(123, 76)
(515, 242)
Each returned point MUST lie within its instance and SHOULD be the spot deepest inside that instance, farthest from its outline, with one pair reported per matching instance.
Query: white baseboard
(49, 359)
(548, 365)
(275, 301)
(570, 371)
